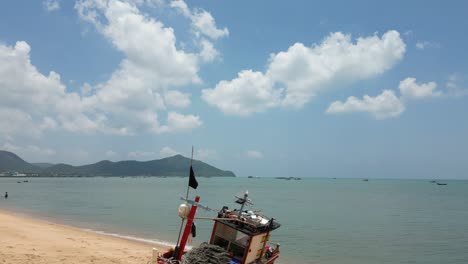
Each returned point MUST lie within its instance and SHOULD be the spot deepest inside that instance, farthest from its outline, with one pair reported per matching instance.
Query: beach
(25, 240)
(326, 221)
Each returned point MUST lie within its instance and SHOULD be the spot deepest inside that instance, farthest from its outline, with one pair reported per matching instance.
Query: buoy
(184, 211)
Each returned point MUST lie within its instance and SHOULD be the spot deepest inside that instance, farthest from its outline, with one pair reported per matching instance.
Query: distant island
(176, 166)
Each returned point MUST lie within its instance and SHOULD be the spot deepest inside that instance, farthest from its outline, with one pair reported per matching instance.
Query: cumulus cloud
(51, 5)
(295, 76)
(167, 152)
(202, 21)
(139, 94)
(382, 106)
(254, 154)
(177, 99)
(387, 104)
(250, 92)
(178, 122)
(410, 89)
(204, 28)
(33, 102)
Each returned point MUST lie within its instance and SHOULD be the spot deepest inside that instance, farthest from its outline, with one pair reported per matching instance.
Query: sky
(265, 88)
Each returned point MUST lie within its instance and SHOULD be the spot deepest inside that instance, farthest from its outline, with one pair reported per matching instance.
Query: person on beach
(6, 195)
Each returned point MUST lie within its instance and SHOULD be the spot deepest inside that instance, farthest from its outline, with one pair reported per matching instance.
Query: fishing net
(206, 254)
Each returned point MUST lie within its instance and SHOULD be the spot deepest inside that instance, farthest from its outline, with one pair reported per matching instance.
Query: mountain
(43, 164)
(11, 162)
(173, 166)
(177, 165)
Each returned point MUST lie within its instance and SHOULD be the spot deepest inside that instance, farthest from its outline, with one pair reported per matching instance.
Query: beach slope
(24, 240)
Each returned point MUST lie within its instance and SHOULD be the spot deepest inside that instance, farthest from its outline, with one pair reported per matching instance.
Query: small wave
(155, 242)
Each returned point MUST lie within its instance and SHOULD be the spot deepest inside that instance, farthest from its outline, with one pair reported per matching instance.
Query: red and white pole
(188, 228)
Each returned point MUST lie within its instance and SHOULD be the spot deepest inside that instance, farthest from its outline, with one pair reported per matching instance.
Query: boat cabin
(245, 236)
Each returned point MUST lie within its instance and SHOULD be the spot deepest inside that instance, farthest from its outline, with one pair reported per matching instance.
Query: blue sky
(266, 88)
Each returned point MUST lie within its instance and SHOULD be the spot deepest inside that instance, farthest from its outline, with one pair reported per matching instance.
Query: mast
(178, 247)
(188, 228)
(243, 203)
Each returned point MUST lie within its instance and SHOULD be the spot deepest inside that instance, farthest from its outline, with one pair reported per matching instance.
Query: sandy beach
(24, 240)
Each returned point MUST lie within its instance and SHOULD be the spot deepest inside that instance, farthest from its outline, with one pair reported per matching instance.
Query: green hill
(172, 166)
(11, 162)
(43, 164)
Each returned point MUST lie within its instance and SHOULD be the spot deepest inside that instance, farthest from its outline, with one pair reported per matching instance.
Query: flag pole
(176, 251)
(188, 186)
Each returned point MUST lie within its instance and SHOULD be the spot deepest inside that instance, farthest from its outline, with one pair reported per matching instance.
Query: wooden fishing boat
(243, 234)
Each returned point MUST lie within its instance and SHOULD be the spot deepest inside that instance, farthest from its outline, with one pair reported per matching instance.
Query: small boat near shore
(438, 183)
(238, 236)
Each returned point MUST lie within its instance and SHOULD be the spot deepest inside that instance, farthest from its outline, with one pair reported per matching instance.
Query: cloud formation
(51, 5)
(382, 106)
(33, 102)
(412, 90)
(202, 22)
(387, 104)
(143, 94)
(167, 152)
(295, 76)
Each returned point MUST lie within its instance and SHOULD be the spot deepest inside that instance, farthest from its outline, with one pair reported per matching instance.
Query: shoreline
(26, 239)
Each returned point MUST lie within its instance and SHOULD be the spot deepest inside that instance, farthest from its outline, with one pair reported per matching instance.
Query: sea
(327, 221)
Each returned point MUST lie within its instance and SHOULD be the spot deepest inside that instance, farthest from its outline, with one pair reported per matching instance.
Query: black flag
(192, 181)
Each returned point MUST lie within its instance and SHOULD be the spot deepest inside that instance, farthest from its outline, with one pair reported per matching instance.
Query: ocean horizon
(327, 221)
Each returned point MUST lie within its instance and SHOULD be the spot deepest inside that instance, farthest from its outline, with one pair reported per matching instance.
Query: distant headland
(175, 166)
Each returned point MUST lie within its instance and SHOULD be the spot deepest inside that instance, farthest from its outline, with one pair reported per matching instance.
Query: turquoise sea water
(342, 221)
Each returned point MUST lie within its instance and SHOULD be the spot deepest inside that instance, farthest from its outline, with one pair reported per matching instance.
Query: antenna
(242, 201)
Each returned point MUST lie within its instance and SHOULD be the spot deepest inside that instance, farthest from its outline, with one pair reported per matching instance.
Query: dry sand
(24, 240)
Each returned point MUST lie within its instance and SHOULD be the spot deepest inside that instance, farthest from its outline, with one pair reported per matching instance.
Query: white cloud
(410, 89)
(421, 45)
(202, 21)
(144, 84)
(208, 52)
(250, 92)
(51, 5)
(177, 99)
(167, 152)
(178, 122)
(33, 102)
(254, 154)
(144, 87)
(385, 105)
(153, 68)
(306, 71)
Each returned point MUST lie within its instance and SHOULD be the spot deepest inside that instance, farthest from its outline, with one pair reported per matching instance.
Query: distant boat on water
(288, 178)
(438, 183)
(365, 180)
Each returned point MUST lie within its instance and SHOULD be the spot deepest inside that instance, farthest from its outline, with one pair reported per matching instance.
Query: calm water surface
(342, 221)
